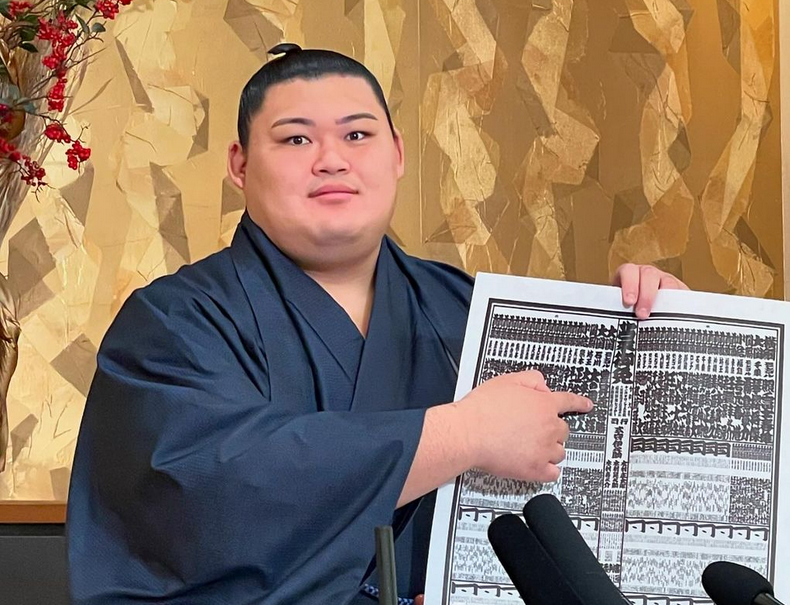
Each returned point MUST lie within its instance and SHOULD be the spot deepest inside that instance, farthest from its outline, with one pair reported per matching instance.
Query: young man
(254, 416)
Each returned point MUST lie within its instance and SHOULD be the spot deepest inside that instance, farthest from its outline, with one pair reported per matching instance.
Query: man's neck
(352, 287)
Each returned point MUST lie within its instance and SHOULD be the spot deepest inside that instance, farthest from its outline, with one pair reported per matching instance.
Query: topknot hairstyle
(295, 63)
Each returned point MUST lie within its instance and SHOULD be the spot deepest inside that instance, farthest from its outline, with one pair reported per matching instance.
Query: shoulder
(442, 271)
(201, 301)
(211, 277)
(434, 275)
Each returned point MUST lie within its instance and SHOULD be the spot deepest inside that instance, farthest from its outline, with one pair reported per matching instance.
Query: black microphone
(533, 573)
(557, 534)
(732, 584)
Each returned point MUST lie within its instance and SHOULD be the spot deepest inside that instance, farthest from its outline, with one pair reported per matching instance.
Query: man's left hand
(641, 283)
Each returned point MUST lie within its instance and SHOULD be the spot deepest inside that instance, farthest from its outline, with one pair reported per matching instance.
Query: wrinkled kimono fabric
(242, 439)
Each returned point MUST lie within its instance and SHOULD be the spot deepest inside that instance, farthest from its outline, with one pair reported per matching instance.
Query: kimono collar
(301, 293)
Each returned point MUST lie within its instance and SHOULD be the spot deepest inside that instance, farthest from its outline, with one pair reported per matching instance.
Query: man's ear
(237, 164)
(398, 139)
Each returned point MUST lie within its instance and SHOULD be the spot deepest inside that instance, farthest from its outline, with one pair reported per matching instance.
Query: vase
(9, 354)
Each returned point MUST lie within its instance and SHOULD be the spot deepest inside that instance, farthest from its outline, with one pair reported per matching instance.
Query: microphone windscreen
(555, 531)
(531, 570)
(732, 584)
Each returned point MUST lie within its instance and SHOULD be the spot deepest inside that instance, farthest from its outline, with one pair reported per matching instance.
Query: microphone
(385, 563)
(732, 584)
(529, 567)
(559, 537)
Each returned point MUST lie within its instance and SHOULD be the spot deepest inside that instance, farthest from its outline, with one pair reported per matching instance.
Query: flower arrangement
(53, 34)
(43, 50)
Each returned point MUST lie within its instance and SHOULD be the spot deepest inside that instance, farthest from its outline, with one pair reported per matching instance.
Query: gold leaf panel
(554, 138)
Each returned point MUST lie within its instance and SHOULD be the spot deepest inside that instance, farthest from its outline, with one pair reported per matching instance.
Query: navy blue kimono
(241, 439)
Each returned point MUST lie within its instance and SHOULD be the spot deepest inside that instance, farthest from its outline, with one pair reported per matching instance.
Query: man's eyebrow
(284, 121)
(308, 122)
(356, 116)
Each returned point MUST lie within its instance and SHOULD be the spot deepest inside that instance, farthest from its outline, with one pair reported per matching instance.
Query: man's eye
(297, 140)
(356, 135)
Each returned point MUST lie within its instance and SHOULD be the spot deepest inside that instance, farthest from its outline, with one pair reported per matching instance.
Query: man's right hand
(508, 426)
(514, 426)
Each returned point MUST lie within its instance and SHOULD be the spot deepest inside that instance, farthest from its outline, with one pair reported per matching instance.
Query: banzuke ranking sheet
(677, 466)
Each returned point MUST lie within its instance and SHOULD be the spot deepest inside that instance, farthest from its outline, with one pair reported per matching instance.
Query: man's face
(321, 168)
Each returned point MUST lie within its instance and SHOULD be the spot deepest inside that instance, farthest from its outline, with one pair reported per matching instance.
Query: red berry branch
(56, 30)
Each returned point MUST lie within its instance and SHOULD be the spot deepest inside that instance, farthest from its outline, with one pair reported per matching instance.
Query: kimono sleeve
(191, 485)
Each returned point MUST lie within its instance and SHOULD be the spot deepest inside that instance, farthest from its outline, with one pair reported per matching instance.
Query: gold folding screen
(554, 138)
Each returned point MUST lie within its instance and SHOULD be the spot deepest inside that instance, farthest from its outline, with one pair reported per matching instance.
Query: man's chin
(338, 247)
(348, 237)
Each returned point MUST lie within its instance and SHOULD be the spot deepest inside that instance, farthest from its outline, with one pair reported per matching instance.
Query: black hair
(295, 64)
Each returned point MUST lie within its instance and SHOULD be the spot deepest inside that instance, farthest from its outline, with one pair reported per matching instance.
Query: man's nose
(330, 161)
